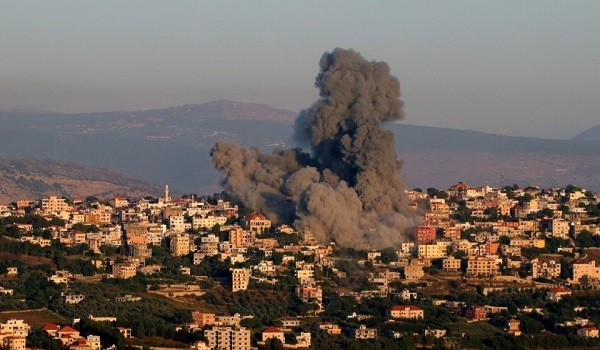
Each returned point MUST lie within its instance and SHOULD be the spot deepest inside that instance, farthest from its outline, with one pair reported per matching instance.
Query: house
(257, 223)
(240, 277)
(51, 329)
(406, 311)
(482, 266)
(413, 272)
(67, 335)
(513, 327)
(126, 332)
(15, 328)
(103, 318)
(582, 268)
(124, 270)
(127, 298)
(12, 342)
(303, 340)
(80, 344)
(365, 333)
(6, 291)
(93, 341)
(310, 293)
(289, 323)
(588, 332)
(438, 333)
(546, 266)
(73, 298)
(407, 295)
(373, 255)
(425, 234)
(451, 264)
(273, 332)
(330, 328)
(59, 277)
(557, 293)
(228, 338)
(203, 319)
(476, 313)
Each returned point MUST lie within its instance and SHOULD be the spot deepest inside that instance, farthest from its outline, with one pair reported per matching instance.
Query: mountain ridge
(173, 145)
(34, 178)
(591, 134)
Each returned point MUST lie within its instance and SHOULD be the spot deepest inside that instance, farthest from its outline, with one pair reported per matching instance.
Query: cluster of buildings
(502, 224)
(13, 334)
(479, 233)
(71, 338)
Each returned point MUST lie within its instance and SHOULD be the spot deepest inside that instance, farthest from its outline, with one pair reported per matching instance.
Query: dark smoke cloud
(348, 189)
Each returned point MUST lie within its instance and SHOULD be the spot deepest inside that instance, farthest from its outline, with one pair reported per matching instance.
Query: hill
(173, 144)
(591, 134)
(24, 178)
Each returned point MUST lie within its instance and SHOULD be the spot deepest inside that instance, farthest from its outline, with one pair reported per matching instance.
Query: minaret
(167, 199)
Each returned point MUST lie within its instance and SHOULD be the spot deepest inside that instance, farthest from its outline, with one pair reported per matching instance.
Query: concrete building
(257, 223)
(560, 228)
(482, 266)
(124, 270)
(582, 268)
(451, 264)
(432, 251)
(365, 333)
(425, 234)
(54, 204)
(227, 338)
(203, 319)
(406, 311)
(180, 244)
(241, 238)
(240, 278)
(14, 327)
(273, 333)
(546, 267)
(310, 293)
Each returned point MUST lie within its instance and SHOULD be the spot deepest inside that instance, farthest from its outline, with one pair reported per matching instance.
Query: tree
(273, 344)
(585, 239)
(388, 255)
(434, 192)
(529, 325)
(38, 338)
(277, 258)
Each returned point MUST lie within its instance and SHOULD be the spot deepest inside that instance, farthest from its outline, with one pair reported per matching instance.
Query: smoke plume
(348, 188)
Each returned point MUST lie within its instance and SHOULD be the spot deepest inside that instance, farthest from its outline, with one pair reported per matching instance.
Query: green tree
(273, 344)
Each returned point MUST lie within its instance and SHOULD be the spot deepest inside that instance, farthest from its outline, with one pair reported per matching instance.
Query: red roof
(256, 216)
(403, 307)
(273, 330)
(67, 329)
(50, 327)
(559, 290)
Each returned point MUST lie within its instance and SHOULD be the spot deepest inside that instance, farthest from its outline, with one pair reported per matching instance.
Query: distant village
(486, 267)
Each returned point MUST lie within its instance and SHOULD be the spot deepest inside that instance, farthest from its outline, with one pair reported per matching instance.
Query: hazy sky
(513, 67)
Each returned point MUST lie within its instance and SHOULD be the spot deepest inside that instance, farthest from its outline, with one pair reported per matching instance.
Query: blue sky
(525, 68)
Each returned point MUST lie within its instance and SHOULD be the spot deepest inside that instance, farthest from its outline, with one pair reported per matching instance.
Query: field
(35, 318)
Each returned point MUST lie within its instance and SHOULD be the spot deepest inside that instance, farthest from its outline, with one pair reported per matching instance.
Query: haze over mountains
(172, 145)
(591, 134)
(34, 178)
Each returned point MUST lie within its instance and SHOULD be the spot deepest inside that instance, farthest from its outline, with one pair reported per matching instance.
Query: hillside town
(483, 267)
